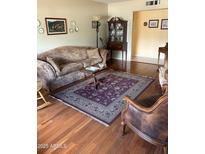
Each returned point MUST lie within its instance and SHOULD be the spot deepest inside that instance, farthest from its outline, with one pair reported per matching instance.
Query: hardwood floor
(75, 133)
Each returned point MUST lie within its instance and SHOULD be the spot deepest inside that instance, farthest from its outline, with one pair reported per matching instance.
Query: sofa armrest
(103, 54)
(45, 73)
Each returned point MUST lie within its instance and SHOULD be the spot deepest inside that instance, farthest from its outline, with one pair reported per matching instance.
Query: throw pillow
(93, 53)
(53, 63)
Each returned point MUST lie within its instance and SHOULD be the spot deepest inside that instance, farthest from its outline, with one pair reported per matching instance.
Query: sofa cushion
(86, 62)
(53, 63)
(95, 61)
(89, 62)
(94, 53)
(76, 54)
(69, 67)
(70, 53)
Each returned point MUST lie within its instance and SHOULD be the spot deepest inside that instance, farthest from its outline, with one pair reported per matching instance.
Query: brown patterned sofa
(64, 65)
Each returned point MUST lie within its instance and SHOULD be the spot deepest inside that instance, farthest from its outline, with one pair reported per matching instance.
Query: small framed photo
(164, 24)
(56, 26)
(153, 23)
(94, 24)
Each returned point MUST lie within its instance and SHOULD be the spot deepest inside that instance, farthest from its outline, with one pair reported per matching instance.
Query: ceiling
(110, 1)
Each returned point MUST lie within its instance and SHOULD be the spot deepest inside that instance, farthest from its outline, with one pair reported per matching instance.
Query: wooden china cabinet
(117, 35)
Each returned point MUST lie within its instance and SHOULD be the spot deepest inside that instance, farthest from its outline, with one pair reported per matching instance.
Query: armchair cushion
(149, 101)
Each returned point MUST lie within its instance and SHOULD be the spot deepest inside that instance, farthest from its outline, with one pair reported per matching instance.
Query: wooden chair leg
(158, 59)
(43, 105)
(165, 149)
(126, 56)
(42, 96)
(46, 103)
(123, 129)
(122, 55)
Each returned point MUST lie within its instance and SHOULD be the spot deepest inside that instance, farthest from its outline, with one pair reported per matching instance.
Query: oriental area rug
(105, 103)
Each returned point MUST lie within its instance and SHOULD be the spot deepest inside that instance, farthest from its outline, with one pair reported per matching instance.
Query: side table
(39, 87)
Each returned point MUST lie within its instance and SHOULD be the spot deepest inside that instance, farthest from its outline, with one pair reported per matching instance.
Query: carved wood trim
(142, 108)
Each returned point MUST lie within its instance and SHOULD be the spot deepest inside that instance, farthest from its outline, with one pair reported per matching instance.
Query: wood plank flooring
(75, 133)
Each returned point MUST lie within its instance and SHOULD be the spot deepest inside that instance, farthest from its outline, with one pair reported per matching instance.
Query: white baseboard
(117, 58)
(147, 60)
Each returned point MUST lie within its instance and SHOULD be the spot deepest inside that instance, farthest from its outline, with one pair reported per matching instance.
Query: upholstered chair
(150, 123)
(163, 78)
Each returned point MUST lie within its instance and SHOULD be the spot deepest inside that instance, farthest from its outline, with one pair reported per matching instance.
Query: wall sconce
(73, 27)
(39, 28)
(95, 25)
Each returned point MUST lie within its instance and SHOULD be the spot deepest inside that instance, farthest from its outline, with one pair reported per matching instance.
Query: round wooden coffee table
(93, 70)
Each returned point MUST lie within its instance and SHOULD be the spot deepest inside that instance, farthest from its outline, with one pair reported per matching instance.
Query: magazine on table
(92, 68)
(95, 68)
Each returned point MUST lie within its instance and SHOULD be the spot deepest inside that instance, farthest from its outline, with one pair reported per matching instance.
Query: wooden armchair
(163, 50)
(151, 123)
(163, 78)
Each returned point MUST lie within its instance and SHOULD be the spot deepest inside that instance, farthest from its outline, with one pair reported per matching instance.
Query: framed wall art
(94, 24)
(164, 24)
(153, 23)
(56, 26)
(38, 23)
(41, 30)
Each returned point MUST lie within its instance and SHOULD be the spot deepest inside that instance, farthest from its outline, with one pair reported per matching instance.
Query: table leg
(122, 55)
(126, 60)
(96, 81)
(158, 59)
(126, 55)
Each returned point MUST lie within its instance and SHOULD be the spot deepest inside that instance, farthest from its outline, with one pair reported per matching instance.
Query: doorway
(147, 40)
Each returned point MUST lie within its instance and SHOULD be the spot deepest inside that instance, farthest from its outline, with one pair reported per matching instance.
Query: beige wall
(126, 9)
(146, 41)
(81, 11)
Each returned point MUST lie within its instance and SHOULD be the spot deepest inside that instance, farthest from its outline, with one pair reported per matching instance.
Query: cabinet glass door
(119, 32)
(112, 32)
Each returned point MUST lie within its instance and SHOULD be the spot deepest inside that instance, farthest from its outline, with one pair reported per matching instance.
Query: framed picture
(164, 24)
(94, 24)
(153, 23)
(56, 26)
